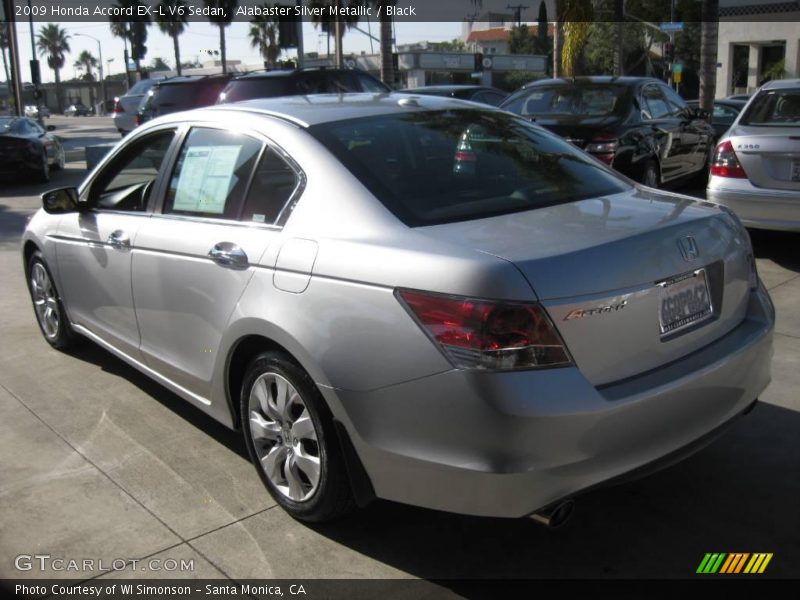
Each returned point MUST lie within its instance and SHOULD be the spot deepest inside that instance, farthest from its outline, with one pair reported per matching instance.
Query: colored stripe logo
(734, 563)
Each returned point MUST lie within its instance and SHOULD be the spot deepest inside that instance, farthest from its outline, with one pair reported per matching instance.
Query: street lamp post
(100, 67)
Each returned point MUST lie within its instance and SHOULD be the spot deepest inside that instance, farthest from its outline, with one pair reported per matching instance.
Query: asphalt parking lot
(98, 462)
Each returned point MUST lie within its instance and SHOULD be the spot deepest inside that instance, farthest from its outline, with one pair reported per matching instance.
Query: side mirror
(60, 201)
(51, 128)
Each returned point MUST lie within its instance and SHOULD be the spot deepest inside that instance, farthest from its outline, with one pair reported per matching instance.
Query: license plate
(796, 170)
(684, 301)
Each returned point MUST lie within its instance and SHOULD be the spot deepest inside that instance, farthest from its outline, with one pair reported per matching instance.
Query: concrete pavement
(99, 462)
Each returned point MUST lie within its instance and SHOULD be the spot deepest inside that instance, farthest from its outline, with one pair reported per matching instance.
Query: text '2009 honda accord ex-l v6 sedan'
(411, 298)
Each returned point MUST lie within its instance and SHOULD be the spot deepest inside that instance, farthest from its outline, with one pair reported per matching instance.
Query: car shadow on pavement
(737, 495)
(777, 246)
(94, 354)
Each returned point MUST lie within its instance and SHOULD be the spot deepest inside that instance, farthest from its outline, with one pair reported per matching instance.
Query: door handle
(228, 254)
(119, 240)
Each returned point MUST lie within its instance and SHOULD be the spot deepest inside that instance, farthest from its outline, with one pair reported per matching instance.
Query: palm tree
(221, 17)
(264, 36)
(3, 46)
(328, 24)
(120, 29)
(88, 62)
(708, 53)
(172, 22)
(53, 43)
(574, 19)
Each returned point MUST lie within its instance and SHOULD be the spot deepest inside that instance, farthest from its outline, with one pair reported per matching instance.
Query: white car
(125, 107)
(756, 166)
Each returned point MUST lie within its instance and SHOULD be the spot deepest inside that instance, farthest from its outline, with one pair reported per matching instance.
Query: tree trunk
(619, 51)
(5, 64)
(59, 101)
(558, 48)
(222, 47)
(708, 53)
(177, 53)
(388, 75)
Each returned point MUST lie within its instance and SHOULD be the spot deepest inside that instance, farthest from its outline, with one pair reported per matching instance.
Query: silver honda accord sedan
(411, 298)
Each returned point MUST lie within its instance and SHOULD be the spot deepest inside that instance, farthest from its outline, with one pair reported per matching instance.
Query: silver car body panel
(321, 286)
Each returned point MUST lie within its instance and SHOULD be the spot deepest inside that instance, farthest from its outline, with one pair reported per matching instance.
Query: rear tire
(291, 440)
(47, 306)
(650, 176)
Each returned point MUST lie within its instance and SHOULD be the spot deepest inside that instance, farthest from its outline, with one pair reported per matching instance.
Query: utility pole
(36, 73)
(517, 8)
(16, 79)
(300, 49)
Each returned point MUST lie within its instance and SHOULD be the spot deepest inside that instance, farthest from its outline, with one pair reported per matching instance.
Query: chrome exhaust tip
(555, 516)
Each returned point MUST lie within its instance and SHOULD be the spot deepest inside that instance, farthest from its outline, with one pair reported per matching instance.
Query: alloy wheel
(284, 437)
(45, 301)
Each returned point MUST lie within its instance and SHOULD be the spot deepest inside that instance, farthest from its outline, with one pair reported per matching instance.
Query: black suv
(181, 93)
(299, 82)
(638, 125)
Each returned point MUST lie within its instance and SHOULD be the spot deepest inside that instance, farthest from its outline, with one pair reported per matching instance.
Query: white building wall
(756, 33)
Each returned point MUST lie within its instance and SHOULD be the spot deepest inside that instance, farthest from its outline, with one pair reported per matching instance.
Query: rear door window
(211, 174)
(654, 103)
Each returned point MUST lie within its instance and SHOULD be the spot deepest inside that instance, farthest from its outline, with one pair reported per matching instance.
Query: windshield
(774, 108)
(584, 99)
(444, 166)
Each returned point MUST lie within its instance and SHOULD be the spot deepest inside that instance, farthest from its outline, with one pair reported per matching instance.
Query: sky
(200, 37)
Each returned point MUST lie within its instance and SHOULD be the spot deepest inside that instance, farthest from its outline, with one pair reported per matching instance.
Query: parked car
(127, 105)
(298, 82)
(26, 147)
(638, 125)
(76, 110)
(180, 93)
(33, 111)
(475, 93)
(723, 114)
(323, 274)
(740, 97)
(756, 166)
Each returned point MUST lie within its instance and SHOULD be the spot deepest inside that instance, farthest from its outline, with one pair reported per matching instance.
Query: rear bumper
(508, 444)
(758, 208)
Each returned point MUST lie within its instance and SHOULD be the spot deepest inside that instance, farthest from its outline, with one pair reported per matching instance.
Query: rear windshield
(774, 108)
(587, 100)
(456, 165)
(141, 87)
(183, 96)
(247, 89)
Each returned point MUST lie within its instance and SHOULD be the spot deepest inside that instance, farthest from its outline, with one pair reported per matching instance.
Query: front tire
(44, 170)
(61, 159)
(291, 440)
(47, 305)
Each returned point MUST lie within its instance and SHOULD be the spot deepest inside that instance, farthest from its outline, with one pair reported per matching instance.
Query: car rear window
(183, 96)
(774, 108)
(247, 89)
(588, 100)
(456, 165)
(141, 87)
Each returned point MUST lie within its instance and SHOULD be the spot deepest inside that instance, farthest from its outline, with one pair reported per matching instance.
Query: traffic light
(478, 58)
(287, 30)
(669, 52)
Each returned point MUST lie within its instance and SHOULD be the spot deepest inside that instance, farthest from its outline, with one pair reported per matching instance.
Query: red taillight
(603, 147)
(465, 156)
(118, 108)
(725, 163)
(484, 334)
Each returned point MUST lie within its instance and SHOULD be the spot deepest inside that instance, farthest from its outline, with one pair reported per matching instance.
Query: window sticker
(206, 178)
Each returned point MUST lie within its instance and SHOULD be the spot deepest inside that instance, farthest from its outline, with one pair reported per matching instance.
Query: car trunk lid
(580, 130)
(604, 267)
(770, 156)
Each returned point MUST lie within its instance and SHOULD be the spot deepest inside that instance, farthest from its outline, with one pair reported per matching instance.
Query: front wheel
(291, 440)
(47, 305)
(44, 169)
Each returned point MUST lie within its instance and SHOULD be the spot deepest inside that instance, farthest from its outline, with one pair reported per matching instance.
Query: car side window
(677, 104)
(273, 184)
(723, 114)
(654, 103)
(211, 174)
(127, 182)
(368, 84)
